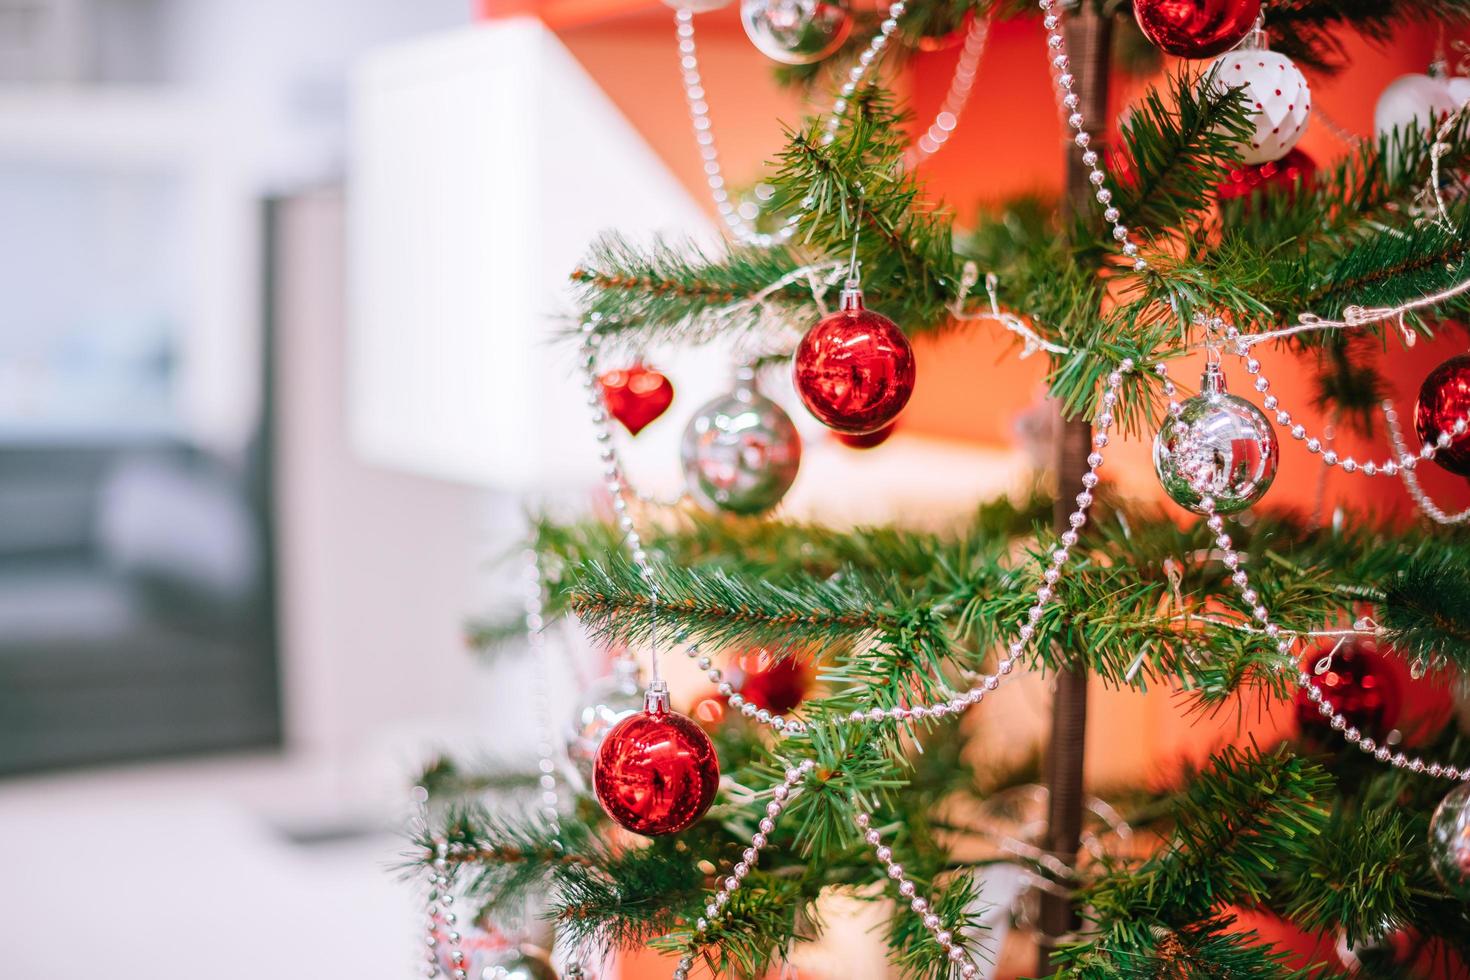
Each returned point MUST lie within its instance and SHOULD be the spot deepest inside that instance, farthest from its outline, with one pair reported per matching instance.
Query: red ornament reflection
(866, 440)
(1444, 399)
(766, 682)
(1360, 684)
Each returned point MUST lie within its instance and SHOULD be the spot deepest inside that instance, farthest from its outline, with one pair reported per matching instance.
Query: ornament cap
(851, 298)
(656, 700)
(1255, 39)
(1212, 384)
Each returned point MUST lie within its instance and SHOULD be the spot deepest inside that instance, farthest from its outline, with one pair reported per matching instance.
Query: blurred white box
(483, 165)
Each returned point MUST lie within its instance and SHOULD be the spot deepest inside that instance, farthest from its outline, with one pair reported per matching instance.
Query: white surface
(178, 873)
(470, 204)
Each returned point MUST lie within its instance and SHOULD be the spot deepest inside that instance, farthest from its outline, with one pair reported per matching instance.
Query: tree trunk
(1089, 41)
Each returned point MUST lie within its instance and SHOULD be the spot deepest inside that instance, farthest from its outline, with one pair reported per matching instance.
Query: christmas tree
(1192, 227)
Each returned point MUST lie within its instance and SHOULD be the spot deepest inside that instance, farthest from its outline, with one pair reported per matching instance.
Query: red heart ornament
(636, 396)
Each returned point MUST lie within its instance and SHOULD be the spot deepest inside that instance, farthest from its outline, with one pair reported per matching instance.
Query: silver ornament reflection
(796, 32)
(740, 451)
(1220, 444)
(605, 703)
(519, 963)
(1449, 842)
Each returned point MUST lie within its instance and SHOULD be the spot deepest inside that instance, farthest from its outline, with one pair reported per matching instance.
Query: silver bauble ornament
(1276, 93)
(796, 32)
(1219, 444)
(1449, 842)
(519, 963)
(740, 451)
(605, 703)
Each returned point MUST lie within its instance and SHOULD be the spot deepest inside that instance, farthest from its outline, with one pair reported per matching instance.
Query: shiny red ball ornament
(1196, 28)
(866, 440)
(1444, 399)
(854, 370)
(1294, 170)
(656, 771)
(1360, 683)
(636, 396)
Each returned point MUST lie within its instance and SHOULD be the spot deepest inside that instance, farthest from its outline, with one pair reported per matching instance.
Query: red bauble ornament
(1291, 171)
(776, 685)
(854, 370)
(866, 440)
(1360, 684)
(636, 396)
(656, 771)
(1196, 28)
(1444, 399)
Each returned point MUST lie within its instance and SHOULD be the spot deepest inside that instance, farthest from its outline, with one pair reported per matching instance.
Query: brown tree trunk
(1089, 41)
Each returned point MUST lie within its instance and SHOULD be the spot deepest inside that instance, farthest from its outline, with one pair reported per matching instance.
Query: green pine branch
(1234, 826)
(1175, 150)
(1309, 30)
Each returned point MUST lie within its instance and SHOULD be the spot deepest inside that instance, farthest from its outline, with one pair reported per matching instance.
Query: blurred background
(276, 280)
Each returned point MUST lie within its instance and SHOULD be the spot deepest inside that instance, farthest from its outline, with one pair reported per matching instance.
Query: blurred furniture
(135, 605)
(136, 577)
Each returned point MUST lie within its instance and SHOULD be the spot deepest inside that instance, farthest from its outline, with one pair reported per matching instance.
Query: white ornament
(1459, 87)
(1415, 98)
(1277, 94)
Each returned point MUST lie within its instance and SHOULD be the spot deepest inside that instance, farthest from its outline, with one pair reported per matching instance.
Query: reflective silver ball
(1219, 444)
(520, 963)
(740, 452)
(796, 32)
(1449, 842)
(605, 703)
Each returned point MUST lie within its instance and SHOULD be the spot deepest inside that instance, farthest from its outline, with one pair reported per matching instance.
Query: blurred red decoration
(1293, 170)
(1444, 399)
(866, 440)
(776, 685)
(1196, 28)
(636, 396)
(656, 772)
(1359, 683)
(854, 370)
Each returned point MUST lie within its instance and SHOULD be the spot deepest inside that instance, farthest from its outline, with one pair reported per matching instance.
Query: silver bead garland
(1097, 176)
(781, 795)
(953, 951)
(1284, 643)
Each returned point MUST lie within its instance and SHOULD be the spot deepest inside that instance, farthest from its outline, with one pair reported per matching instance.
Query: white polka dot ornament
(1276, 93)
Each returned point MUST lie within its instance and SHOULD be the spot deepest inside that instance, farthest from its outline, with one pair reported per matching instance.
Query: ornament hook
(853, 265)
